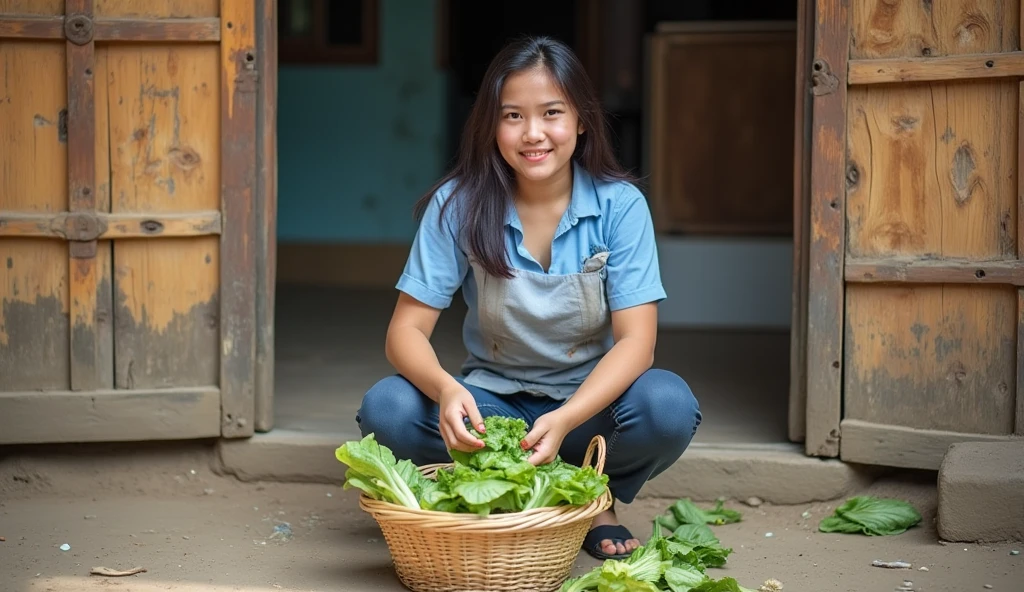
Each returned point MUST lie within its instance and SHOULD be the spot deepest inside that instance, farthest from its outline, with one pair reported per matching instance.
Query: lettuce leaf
(685, 511)
(496, 478)
(871, 516)
(707, 549)
(683, 578)
(374, 469)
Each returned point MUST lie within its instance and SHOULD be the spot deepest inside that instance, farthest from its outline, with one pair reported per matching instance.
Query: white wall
(726, 283)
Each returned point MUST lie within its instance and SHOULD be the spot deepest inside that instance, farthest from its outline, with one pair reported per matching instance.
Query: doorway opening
(361, 135)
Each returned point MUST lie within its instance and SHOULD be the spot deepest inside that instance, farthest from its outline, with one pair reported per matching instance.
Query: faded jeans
(646, 429)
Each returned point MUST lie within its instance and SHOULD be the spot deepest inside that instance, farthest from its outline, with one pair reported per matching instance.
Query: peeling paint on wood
(32, 331)
(827, 236)
(927, 357)
(34, 307)
(166, 314)
(239, 79)
(930, 342)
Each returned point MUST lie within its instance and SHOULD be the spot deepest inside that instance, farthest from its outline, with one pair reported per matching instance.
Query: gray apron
(540, 333)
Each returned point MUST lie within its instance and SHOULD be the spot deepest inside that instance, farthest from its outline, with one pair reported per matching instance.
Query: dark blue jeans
(646, 429)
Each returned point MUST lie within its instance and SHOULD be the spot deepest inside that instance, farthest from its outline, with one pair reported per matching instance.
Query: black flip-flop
(616, 533)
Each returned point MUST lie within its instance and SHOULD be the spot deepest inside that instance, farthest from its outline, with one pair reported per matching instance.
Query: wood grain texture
(888, 29)
(109, 415)
(166, 312)
(904, 447)
(1019, 421)
(34, 304)
(91, 352)
(114, 29)
(266, 213)
(935, 357)
(696, 187)
(29, 27)
(32, 7)
(931, 271)
(162, 9)
(164, 110)
(797, 421)
(932, 170)
(987, 65)
(933, 221)
(112, 226)
(827, 230)
(165, 30)
(239, 83)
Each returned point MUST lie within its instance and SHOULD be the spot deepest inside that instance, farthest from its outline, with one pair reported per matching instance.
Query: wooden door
(128, 245)
(916, 238)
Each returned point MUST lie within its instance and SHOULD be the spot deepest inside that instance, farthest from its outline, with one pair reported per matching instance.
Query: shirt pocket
(593, 299)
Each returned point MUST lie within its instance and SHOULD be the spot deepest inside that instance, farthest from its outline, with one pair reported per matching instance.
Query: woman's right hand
(456, 403)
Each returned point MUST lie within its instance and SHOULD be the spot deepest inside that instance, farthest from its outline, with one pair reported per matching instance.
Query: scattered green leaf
(871, 516)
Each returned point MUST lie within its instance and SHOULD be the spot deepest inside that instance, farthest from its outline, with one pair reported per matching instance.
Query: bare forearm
(626, 361)
(410, 352)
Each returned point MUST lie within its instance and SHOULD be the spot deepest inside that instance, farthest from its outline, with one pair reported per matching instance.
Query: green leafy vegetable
(871, 516)
(495, 478)
(683, 578)
(722, 585)
(674, 563)
(685, 511)
(374, 469)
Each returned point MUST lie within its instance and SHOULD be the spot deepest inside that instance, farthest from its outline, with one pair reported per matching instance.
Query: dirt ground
(193, 530)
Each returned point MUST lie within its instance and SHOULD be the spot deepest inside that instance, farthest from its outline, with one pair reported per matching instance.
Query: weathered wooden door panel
(919, 242)
(164, 124)
(126, 219)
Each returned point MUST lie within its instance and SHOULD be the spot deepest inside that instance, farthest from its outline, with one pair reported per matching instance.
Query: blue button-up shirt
(602, 216)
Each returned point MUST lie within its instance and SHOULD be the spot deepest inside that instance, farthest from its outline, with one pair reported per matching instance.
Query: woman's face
(538, 127)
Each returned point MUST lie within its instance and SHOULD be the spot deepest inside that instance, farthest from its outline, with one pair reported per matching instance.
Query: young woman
(554, 250)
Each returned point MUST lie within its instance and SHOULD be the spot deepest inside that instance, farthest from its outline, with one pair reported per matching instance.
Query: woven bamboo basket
(527, 551)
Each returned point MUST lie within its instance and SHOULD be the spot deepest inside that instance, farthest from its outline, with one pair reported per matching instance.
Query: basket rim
(522, 521)
(470, 517)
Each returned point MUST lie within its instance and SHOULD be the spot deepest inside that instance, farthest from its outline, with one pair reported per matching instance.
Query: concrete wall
(733, 283)
(358, 144)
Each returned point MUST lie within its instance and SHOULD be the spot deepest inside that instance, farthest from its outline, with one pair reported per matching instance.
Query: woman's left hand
(546, 438)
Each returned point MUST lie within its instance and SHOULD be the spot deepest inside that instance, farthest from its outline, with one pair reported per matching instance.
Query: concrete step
(981, 492)
(776, 473)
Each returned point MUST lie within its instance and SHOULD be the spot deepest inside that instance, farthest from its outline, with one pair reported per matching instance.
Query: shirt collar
(582, 204)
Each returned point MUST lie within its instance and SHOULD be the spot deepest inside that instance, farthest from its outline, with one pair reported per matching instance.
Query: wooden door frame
(801, 212)
(266, 211)
(826, 238)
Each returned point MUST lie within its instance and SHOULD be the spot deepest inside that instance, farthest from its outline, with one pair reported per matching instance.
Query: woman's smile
(535, 155)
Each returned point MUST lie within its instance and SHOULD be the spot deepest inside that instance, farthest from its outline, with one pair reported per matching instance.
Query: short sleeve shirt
(602, 216)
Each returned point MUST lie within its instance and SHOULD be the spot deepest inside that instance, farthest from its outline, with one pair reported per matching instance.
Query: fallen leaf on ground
(114, 573)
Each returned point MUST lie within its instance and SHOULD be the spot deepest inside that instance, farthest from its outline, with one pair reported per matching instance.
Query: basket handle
(598, 444)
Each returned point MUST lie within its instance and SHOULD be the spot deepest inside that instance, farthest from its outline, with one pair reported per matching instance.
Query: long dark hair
(484, 183)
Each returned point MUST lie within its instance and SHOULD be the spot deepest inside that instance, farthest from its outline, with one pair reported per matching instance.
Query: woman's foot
(615, 541)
